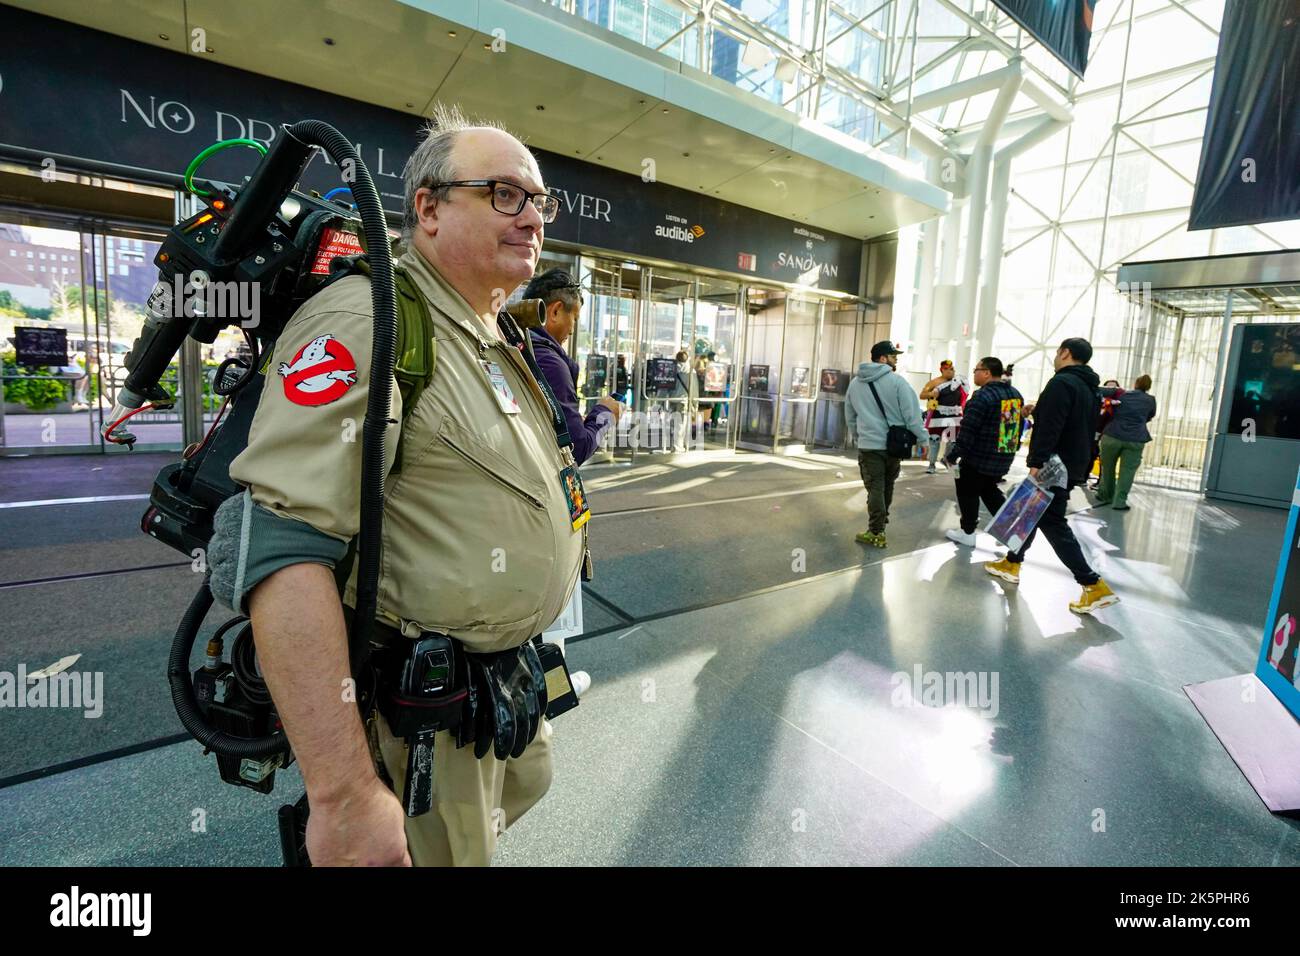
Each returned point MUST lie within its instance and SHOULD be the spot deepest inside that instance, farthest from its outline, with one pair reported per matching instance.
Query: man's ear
(426, 210)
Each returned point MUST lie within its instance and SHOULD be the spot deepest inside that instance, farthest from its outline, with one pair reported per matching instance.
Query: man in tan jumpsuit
(478, 540)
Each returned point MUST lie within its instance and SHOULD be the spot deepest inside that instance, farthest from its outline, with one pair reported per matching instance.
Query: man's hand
(361, 828)
(1033, 473)
(614, 405)
(302, 650)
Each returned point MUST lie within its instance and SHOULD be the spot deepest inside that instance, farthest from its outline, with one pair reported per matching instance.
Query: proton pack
(265, 247)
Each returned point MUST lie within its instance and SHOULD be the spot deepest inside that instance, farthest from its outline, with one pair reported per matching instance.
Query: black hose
(243, 662)
(187, 706)
(378, 408)
(383, 357)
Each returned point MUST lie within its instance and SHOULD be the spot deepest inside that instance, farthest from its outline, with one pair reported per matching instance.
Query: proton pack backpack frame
(279, 242)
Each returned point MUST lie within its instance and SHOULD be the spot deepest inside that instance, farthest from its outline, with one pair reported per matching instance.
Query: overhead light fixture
(451, 33)
(787, 70)
(163, 36)
(756, 54)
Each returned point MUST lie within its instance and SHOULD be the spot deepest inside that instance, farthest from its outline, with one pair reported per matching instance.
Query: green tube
(198, 161)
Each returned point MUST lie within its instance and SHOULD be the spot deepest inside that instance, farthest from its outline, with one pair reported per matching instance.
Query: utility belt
(495, 702)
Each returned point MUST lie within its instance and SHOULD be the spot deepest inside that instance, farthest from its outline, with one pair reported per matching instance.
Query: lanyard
(515, 338)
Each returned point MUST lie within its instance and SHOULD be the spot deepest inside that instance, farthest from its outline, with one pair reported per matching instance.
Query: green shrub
(37, 394)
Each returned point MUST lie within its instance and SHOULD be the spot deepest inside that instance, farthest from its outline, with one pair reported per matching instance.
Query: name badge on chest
(500, 387)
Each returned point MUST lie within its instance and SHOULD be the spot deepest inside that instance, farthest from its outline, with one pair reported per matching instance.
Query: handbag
(899, 439)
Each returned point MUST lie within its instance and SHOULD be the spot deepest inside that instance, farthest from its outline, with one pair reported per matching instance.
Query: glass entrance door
(85, 286)
(796, 402)
(670, 389)
(717, 345)
(781, 387)
(605, 346)
(760, 373)
(837, 364)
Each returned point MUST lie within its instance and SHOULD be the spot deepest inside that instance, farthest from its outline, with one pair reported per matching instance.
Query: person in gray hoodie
(876, 399)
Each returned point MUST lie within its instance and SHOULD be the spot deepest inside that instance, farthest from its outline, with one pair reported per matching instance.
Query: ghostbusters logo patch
(320, 372)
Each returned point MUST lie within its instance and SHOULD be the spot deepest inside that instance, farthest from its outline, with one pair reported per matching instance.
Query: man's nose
(529, 217)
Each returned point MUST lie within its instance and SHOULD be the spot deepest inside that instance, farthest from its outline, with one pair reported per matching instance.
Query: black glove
(507, 699)
(496, 715)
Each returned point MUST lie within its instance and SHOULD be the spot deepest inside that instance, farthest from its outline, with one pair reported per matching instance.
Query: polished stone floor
(766, 691)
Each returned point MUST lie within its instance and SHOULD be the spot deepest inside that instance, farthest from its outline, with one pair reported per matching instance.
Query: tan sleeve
(303, 459)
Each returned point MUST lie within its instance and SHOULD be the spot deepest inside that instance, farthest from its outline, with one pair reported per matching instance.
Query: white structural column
(923, 312)
(998, 198)
(905, 302)
(977, 181)
(942, 314)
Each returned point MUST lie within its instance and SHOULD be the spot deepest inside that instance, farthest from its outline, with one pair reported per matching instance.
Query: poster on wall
(1250, 156)
(834, 381)
(1277, 665)
(758, 379)
(716, 376)
(661, 374)
(800, 382)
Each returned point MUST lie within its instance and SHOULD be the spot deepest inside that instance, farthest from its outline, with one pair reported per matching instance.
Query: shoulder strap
(416, 353)
(884, 414)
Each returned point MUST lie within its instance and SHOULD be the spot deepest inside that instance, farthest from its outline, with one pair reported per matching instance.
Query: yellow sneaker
(866, 537)
(1004, 569)
(1094, 597)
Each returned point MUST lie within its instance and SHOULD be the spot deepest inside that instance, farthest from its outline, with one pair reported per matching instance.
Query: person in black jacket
(1065, 417)
(986, 445)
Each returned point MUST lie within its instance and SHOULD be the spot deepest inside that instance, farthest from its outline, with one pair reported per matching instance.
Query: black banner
(1250, 156)
(70, 90)
(36, 346)
(1063, 26)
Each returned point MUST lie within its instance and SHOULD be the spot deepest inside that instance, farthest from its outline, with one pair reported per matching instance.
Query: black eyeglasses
(509, 199)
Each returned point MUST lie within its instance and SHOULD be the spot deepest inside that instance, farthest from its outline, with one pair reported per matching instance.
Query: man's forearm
(302, 650)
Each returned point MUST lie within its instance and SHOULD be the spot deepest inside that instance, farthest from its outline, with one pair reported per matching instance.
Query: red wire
(113, 427)
(211, 428)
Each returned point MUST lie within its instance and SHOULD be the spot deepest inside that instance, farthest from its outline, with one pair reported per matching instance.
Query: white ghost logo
(316, 352)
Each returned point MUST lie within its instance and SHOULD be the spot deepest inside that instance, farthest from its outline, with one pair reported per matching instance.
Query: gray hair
(571, 298)
(431, 161)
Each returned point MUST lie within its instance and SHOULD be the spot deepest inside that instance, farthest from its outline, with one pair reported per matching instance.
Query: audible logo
(680, 233)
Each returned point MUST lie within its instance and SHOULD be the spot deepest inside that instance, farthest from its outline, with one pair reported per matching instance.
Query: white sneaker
(961, 537)
(581, 682)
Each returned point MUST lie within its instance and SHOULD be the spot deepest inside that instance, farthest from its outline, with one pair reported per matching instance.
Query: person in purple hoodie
(563, 299)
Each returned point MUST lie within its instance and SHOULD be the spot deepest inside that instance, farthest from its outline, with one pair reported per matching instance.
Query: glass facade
(1114, 184)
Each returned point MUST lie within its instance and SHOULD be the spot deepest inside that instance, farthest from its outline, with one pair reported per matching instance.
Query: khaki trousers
(473, 800)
